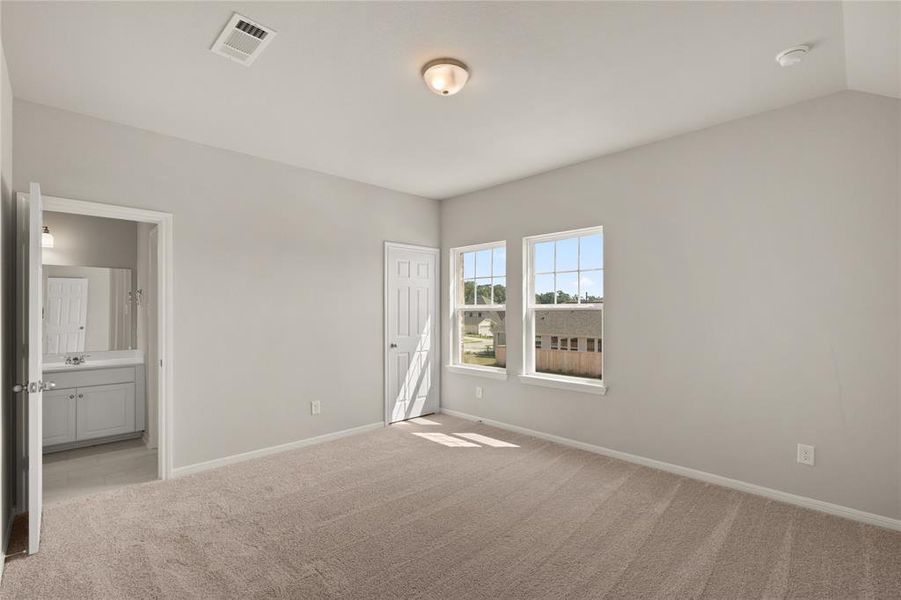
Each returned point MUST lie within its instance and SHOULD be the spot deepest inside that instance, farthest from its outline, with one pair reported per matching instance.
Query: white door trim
(436, 322)
(165, 306)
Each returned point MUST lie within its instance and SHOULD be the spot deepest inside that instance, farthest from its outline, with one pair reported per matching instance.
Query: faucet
(76, 359)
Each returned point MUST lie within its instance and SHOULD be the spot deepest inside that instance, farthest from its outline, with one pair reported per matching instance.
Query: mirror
(88, 309)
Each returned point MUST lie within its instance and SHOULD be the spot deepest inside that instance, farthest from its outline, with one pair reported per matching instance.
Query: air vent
(242, 40)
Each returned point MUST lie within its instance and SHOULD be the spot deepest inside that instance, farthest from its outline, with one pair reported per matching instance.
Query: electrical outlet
(478, 392)
(805, 454)
(315, 407)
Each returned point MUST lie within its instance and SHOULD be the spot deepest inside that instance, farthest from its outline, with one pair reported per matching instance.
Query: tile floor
(84, 471)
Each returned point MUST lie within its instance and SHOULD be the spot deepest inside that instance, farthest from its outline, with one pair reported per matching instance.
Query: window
(565, 301)
(479, 292)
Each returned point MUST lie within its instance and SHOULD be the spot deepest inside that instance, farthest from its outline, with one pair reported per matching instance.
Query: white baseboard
(742, 486)
(236, 458)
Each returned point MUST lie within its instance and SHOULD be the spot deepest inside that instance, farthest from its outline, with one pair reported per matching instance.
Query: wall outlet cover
(806, 454)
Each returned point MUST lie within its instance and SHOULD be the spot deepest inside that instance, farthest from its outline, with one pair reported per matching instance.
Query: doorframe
(165, 306)
(436, 322)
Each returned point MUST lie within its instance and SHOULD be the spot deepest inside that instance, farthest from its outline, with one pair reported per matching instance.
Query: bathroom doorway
(99, 418)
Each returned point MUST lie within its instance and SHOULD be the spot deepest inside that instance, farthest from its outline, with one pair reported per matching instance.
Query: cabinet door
(59, 417)
(105, 410)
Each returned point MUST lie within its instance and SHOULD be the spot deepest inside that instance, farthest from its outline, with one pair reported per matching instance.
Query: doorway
(90, 423)
(412, 362)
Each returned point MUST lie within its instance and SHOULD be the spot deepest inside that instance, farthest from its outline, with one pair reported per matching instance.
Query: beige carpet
(390, 514)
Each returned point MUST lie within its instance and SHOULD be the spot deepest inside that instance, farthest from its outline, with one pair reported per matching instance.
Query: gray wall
(752, 275)
(278, 275)
(83, 241)
(7, 302)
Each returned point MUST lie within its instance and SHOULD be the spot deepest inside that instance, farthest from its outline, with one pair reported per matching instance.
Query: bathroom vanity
(96, 401)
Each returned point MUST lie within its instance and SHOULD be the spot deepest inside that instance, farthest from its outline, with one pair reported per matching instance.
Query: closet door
(59, 417)
(104, 410)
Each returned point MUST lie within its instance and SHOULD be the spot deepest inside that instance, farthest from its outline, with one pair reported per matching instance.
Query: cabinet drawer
(105, 410)
(58, 417)
(71, 379)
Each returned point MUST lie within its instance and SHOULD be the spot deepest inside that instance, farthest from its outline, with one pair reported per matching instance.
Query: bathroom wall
(86, 241)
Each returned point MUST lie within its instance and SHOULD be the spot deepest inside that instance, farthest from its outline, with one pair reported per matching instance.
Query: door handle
(33, 387)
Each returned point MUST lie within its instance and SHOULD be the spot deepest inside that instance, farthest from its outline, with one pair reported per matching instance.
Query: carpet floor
(397, 514)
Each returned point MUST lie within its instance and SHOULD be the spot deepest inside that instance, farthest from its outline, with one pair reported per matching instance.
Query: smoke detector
(792, 56)
(242, 40)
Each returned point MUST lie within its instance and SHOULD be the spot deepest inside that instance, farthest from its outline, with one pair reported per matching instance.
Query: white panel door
(59, 417)
(103, 410)
(65, 314)
(29, 335)
(411, 327)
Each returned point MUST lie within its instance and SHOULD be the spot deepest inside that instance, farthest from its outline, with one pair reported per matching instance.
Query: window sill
(565, 383)
(490, 372)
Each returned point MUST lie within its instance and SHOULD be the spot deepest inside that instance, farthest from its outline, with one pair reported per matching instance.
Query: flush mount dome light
(445, 76)
(792, 56)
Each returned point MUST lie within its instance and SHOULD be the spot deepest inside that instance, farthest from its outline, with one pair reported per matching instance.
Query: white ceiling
(338, 90)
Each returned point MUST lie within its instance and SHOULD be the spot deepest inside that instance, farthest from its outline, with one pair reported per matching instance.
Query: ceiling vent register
(242, 40)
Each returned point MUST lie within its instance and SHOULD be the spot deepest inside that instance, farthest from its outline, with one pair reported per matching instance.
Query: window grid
(492, 279)
(555, 272)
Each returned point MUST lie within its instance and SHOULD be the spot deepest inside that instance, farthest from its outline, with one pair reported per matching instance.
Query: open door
(29, 311)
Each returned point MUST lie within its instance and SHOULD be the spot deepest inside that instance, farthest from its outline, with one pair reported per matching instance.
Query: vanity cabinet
(92, 406)
(59, 417)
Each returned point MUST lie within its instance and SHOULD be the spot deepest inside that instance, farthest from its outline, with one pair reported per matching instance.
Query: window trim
(454, 362)
(529, 306)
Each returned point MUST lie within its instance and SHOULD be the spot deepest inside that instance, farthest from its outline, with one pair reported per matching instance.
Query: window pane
(592, 286)
(500, 290)
(569, 324)
(567, 288)
(568, 254)
(591, 253)
(483, 338)
(483, 291)
(469, 292)
(590, 344)
(499, 260)
(483, 263)
(544, 257)
(544, 289)
(469, 265)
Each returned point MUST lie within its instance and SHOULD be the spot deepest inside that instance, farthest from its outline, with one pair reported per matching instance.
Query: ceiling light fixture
(445, 76)
(792, 56)
(46, 238)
